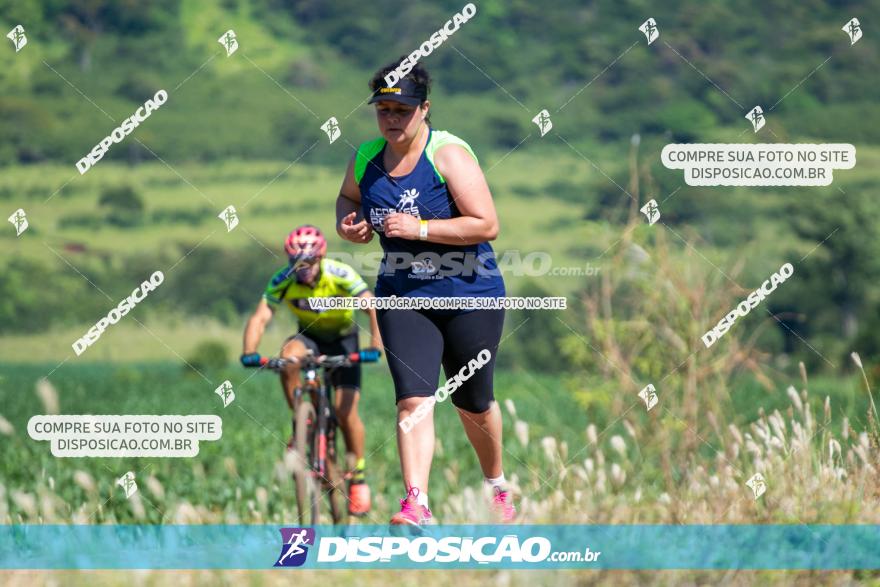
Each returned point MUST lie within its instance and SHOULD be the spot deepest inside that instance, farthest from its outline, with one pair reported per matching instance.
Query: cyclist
(423, 191)
(324, 332)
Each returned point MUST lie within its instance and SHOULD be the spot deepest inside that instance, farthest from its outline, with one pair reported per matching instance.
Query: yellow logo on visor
(390, 90)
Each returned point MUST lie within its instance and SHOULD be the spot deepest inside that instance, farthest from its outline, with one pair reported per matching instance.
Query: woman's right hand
(360, 232)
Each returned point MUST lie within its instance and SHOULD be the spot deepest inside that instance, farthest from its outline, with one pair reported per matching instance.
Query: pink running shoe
(411, 512)
(502, 506)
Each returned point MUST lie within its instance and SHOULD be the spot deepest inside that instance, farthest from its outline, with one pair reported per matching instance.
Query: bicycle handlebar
(370, 355)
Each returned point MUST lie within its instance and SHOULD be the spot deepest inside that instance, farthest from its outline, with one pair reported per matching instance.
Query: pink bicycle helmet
(305, 242)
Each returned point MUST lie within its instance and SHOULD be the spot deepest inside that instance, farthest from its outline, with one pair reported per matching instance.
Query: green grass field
(273, 196)
(268, 209)
(240, 477)
(567, 465)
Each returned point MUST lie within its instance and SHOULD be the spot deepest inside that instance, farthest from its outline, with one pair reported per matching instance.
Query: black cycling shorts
(343, 376)
(417, 342)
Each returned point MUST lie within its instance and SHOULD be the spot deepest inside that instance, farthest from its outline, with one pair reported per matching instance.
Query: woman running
(423, 191)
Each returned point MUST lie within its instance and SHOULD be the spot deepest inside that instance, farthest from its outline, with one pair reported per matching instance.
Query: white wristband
(423, 230)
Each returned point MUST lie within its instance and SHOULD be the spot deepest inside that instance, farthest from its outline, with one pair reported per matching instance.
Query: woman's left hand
(402, 225)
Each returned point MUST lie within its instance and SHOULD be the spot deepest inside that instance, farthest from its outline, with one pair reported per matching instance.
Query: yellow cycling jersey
(335, 279)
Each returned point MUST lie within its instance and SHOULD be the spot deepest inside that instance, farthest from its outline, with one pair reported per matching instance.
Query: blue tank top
(420, 268)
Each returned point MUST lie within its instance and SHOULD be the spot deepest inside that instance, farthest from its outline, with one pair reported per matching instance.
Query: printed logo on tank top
(407, 205)
(423, 270)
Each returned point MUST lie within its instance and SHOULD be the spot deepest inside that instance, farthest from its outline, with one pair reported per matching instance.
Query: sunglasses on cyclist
(301, 262)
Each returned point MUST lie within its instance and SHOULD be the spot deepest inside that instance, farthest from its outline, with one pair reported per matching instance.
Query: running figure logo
(225, 392)
(18, 38)
(229, 42)
(757, 485)
(652, 211)
(854, 29)
(128, 484)
(19, 221)
(294, 547)
(756, 117)
(331, 127)
(542, 119)
(229, 217)
(649, 28)
(408, 199)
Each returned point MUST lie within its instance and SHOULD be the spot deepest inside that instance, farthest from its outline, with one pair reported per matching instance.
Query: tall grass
(812, 474)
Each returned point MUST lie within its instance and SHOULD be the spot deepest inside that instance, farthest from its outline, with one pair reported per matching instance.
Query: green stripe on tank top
(439, 138)
(365, 154)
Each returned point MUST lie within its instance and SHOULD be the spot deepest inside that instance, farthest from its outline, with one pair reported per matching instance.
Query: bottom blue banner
(441, 547)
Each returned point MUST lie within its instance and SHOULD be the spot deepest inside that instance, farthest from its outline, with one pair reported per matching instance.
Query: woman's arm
(375, 334)
(470, 192)
(348, 205)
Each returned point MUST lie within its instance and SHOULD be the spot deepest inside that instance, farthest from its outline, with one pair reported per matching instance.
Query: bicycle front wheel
(307, 491)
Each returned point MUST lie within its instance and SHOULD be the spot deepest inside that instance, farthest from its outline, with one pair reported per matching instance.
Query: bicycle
(315, 469)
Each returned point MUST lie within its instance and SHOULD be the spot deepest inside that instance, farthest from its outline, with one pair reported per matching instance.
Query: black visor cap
(404, 91)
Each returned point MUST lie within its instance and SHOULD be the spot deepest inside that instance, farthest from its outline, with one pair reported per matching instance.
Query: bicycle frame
(321, 395)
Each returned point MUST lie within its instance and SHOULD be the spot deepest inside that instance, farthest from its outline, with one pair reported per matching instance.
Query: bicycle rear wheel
(308, 493)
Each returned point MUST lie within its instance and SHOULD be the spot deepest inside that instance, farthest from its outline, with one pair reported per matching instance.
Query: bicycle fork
(322, 413)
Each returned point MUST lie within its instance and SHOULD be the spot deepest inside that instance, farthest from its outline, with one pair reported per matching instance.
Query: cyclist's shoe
(358, 498)
(411, 512)
(502, 506)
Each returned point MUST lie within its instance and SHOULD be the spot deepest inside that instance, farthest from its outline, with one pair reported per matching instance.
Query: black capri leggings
(417, 342)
